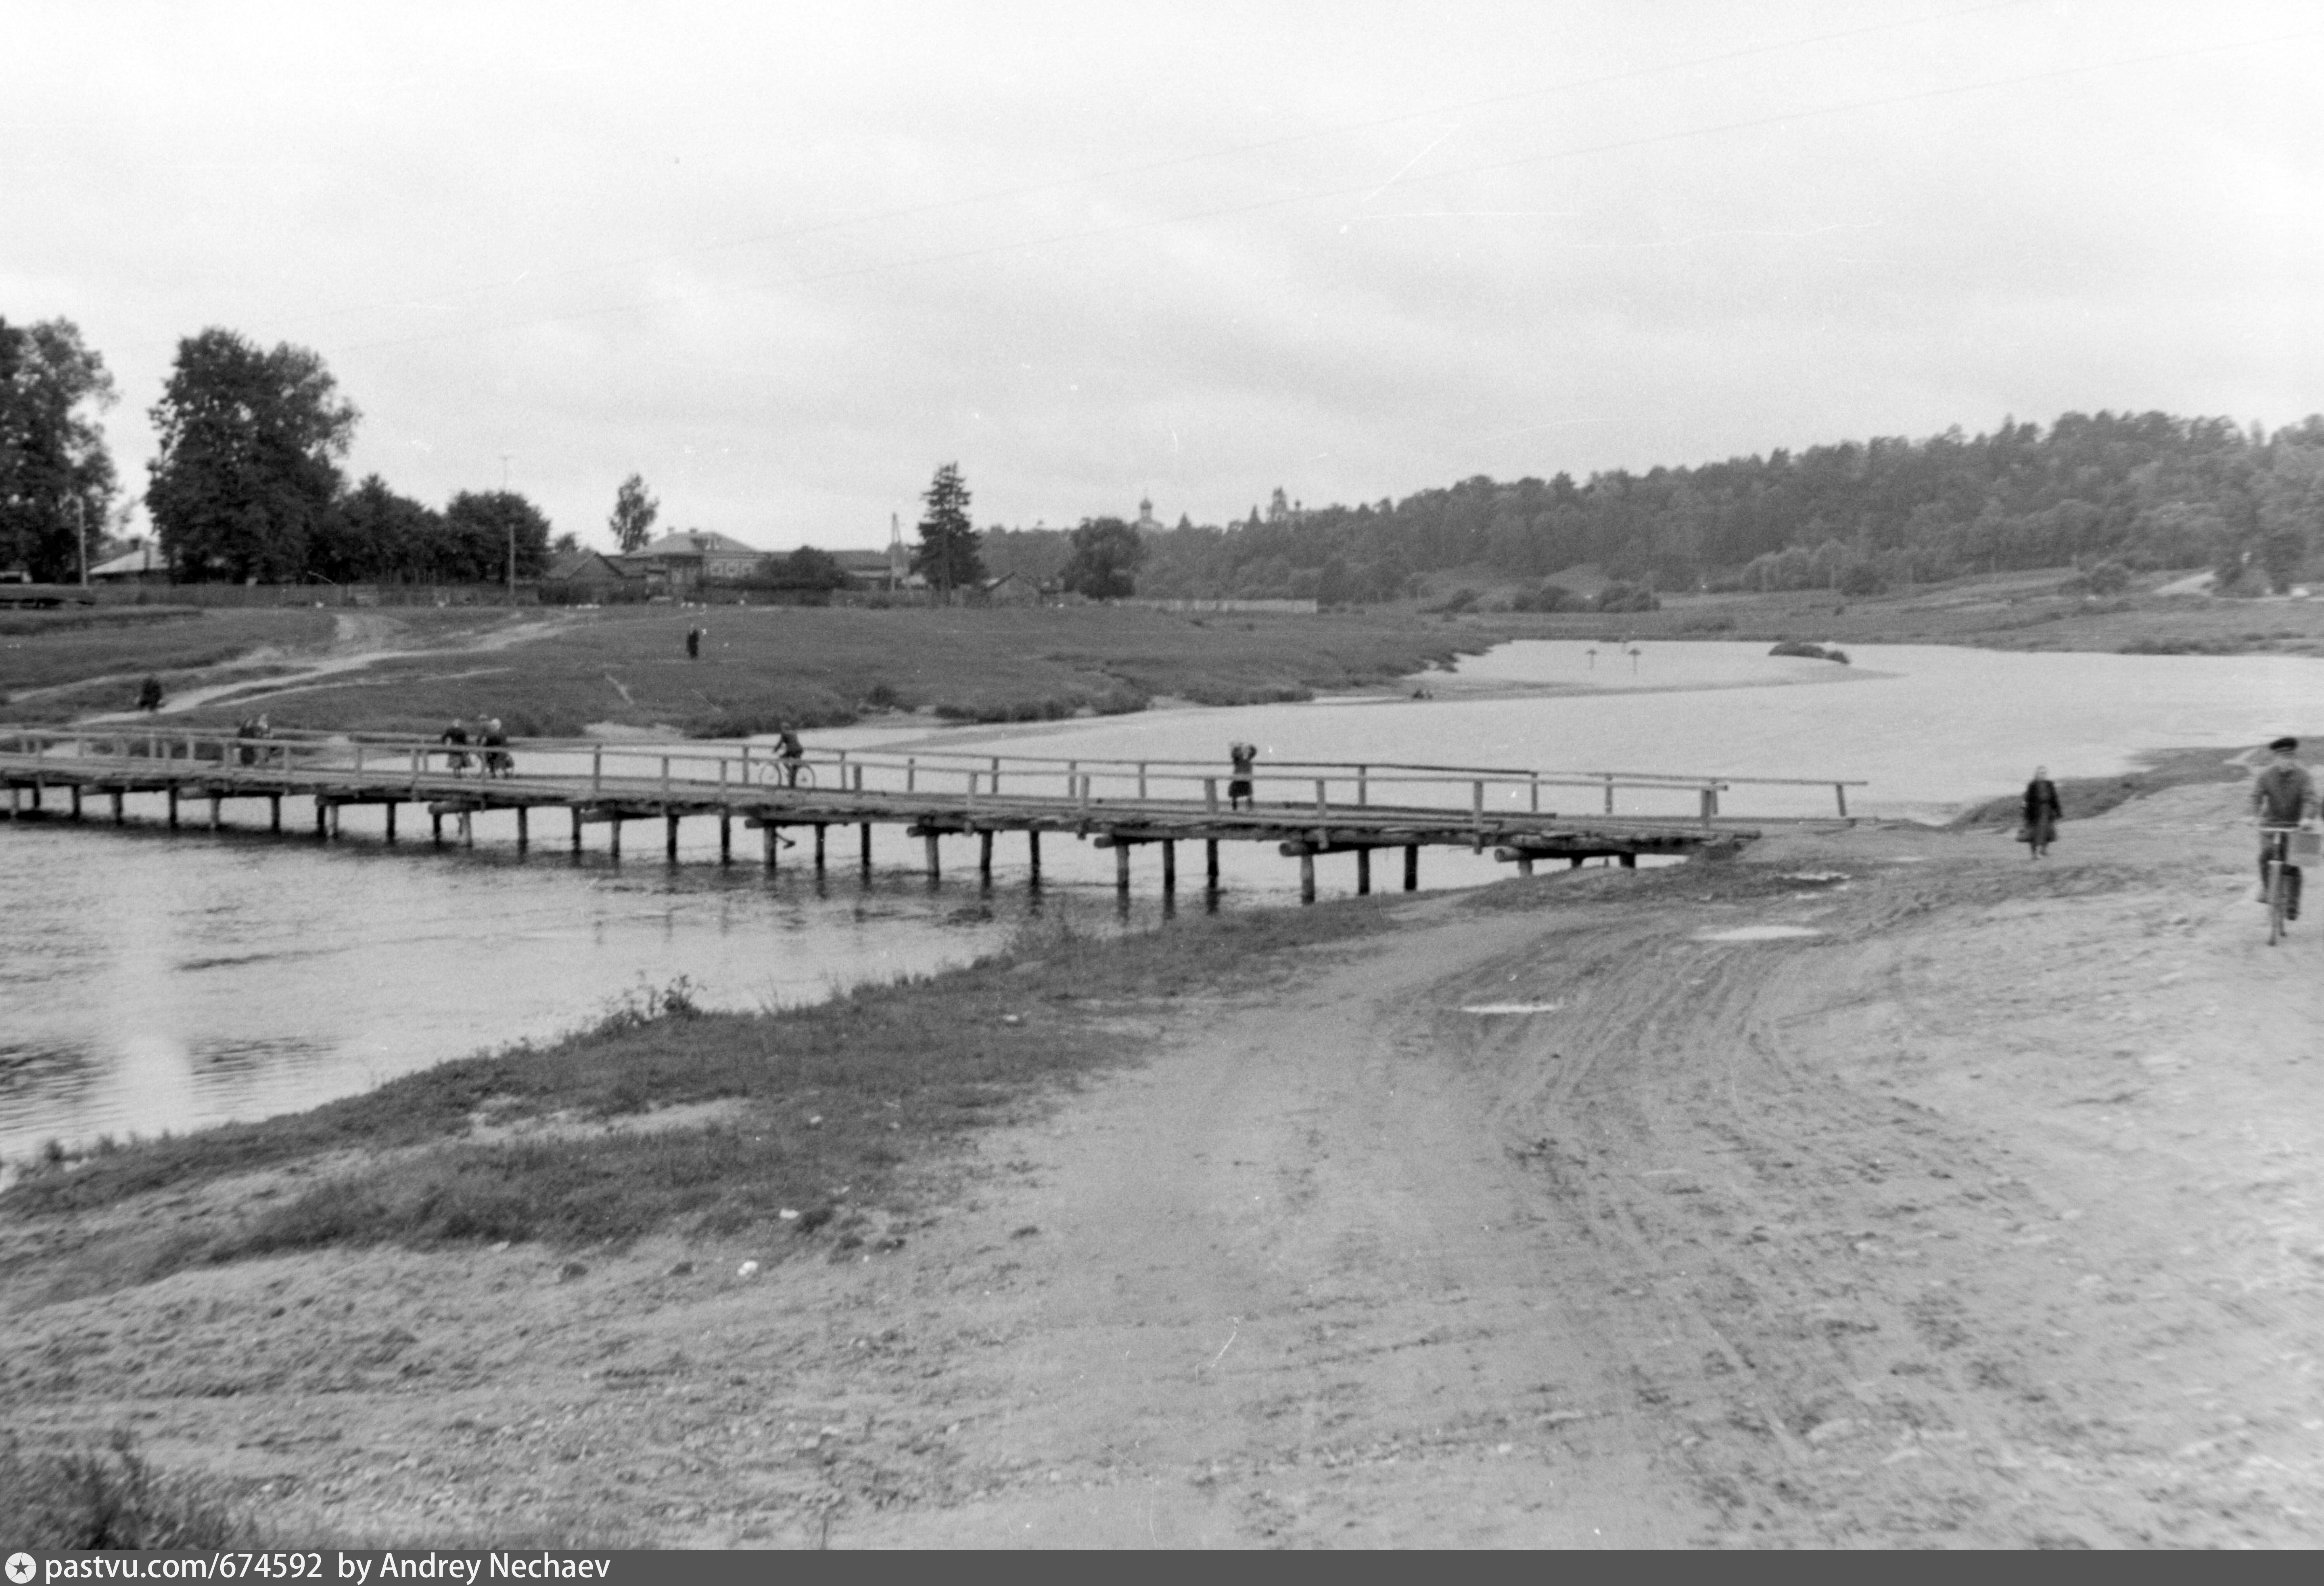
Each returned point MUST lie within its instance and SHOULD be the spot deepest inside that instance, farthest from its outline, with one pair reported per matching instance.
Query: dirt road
(1600, 1213)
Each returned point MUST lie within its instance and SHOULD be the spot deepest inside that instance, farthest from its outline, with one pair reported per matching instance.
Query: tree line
(2124, 492)
(248, 485)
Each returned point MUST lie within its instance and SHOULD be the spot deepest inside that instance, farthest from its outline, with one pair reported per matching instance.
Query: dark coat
(2041, 813)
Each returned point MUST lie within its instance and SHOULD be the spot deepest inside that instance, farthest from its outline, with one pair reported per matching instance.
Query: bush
(87, 1499)
(1627, 597)
(1459, 601)
(1861, 578)
(1549, 597)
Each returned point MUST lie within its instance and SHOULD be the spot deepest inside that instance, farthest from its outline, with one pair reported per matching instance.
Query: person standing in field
(693, 643)
(1239, 791)
(2282, 795)
(149, 693)
(2039, 828)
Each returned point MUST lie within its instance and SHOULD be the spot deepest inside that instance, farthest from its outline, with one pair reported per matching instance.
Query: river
(150, 982)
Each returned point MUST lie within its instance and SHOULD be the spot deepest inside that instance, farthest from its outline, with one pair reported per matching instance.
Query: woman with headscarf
(2039, 828)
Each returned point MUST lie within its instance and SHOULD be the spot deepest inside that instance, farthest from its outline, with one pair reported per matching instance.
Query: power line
(1175, 162)
(1781, 118)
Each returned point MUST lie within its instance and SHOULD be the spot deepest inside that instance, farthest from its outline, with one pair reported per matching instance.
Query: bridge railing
(695, 769)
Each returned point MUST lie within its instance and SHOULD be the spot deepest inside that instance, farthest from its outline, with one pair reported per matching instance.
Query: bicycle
(794, 774)
(2285, 851)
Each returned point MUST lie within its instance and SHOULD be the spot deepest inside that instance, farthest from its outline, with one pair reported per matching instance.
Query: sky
(784, 261)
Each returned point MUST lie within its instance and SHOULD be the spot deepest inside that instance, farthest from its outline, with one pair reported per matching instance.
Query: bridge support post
(75, 801)
(1210, 864)
(613, 833)
(770, 838)
(436, 828)
(1525, 864)
(119, 817)
(1412, 867)
(1170, 867)
(669, 837)
(576, 828)
(1306, 875)
(1575, 863)
(467, 826)
(390, 817)
(215, 802)
(1122, 868)
(866, 845)
(1033, 856)
(818, 844)
(934, 873)
(1628, 861)
(984, 857)
(726, 836)
(322, 819)
(1363, 872)
(16, 810)
(524, 827)
(173, 806)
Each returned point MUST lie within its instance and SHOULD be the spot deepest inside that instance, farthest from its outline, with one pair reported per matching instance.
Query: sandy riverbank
(1989, 1215)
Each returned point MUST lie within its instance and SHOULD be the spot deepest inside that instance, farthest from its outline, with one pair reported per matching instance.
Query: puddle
(1512, 1006)
(1758, 933)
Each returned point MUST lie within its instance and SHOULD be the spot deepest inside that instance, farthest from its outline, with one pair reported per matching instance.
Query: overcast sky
(783, 264)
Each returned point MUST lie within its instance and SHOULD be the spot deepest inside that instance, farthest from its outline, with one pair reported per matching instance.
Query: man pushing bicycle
(2283, 796)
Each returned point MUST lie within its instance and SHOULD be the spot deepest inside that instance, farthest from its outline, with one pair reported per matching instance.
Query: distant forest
(2111, 492)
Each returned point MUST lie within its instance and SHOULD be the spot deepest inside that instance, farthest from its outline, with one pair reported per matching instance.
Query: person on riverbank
(2039, 828)
(1242, 756)
(456, 739)
(693, 643)
(2282, 795)
(149, 694)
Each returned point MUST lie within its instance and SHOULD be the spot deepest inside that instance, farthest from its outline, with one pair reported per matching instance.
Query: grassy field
(52, 649)
(824, 666)
(810, 666)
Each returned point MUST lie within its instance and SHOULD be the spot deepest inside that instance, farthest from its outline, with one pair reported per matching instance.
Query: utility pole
(512, 526)
(81, 516)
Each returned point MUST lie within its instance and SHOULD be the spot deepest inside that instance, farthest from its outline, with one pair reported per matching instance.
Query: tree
(633, 515)
(946, 556)
(56, 477)
(247, 469)
(375, 535)
(478, 527)
(806, 569)
(1103, 554)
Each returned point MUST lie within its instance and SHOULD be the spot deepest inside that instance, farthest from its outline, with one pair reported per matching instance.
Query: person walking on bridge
(1239, 791)
(2282, 795)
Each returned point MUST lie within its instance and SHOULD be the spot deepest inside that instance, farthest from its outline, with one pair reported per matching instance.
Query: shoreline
(2059, 1056)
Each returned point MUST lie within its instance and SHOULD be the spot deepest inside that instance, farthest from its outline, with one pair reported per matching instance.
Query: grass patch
(821, 667)
(164, 641)
(824, 1107)
(80, 1499)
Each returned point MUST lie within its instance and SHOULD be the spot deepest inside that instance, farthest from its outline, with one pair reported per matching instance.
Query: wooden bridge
(1306, 808)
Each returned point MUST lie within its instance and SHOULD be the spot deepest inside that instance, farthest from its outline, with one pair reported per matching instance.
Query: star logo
(21, 1568)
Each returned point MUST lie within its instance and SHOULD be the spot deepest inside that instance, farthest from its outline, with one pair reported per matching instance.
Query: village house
(681, 563)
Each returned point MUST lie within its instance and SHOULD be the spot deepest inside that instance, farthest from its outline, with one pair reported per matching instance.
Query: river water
(150, 982)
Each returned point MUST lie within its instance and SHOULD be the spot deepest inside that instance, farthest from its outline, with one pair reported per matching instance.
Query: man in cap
(2282, 795)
